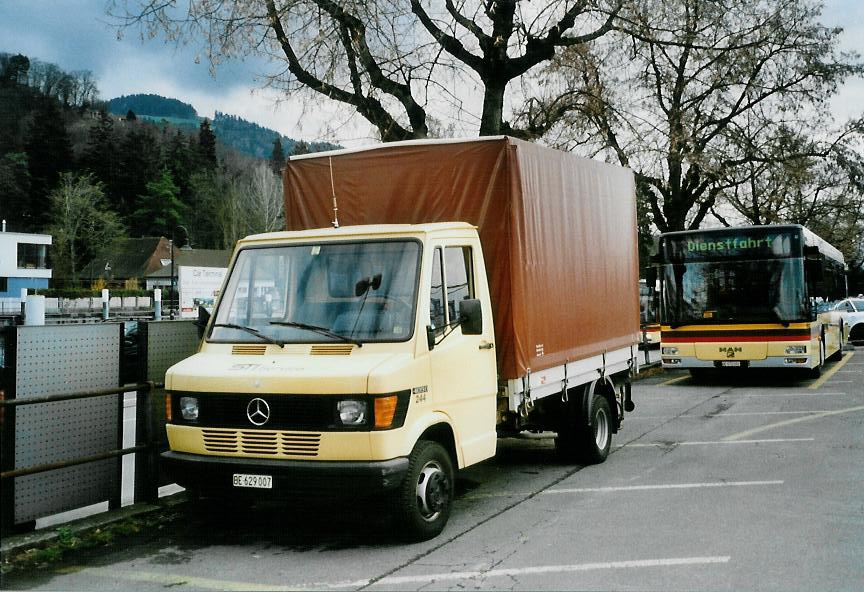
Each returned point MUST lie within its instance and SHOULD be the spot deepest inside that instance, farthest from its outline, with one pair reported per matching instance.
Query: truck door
(463, 367)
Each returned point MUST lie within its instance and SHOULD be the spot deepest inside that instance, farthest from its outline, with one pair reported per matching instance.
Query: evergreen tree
(181, 162)
(100, 155)
(130, 115)
(206, 145)
(277, 157)
(160, 209)
(48, 153)
(139, 162)
(14, 69)
(14, 189)
(301, 147)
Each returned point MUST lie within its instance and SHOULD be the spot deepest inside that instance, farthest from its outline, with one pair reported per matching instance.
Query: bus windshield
(725, 277)
(735, 291)
(321, 293)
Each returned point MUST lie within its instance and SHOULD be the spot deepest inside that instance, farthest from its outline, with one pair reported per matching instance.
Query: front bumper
(769, 362)
(213, 475)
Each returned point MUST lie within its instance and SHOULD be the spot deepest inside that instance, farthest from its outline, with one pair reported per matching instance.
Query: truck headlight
(352, 412)
(189, 408)
(796, 349)
(670, 351)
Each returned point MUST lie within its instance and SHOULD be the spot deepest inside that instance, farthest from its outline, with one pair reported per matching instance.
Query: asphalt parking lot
(752, 482)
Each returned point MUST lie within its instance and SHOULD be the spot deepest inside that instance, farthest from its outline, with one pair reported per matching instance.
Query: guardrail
(145, 448)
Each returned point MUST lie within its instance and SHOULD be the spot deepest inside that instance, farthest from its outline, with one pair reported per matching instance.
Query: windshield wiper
(253, 331)
(320, 330)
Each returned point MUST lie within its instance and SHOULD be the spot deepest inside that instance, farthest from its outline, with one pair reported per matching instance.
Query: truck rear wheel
(425, 497)
(587, 444)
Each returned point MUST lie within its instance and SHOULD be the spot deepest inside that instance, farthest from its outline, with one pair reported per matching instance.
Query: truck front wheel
(425, 497)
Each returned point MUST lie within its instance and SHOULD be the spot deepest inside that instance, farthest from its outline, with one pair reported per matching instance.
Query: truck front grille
(261, 442)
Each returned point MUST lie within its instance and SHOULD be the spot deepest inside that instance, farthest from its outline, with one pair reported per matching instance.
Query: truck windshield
(321, 293)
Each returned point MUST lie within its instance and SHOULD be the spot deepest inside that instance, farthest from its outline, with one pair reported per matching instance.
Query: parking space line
(170, 580)
(549, 569)
(826, 375)
(717, 442)
(795, 395)
(166, 579)
(674, 380)
(666, 486)
(787, 422)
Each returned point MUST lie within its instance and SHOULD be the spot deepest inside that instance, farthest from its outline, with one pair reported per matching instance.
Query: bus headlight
(796, 349)
(352, 412)
(189, 408)
(670, 351)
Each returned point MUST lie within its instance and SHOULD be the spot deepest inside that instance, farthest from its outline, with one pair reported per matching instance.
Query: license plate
(256, 481)
(735, 364)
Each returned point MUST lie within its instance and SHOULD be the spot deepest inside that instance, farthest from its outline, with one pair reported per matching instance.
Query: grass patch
(67, 541)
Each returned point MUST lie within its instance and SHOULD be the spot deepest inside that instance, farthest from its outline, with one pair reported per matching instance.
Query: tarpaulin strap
(566, 384)
(527, 403)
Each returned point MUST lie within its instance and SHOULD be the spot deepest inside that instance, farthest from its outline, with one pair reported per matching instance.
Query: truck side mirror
(430, 337)
(471, 317)
(203, 319)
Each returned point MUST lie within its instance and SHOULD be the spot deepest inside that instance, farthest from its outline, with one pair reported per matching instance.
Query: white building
(23, 262)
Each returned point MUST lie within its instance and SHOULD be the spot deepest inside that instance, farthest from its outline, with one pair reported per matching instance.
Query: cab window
(452, 281)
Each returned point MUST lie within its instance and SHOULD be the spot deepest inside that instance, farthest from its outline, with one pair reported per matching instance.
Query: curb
(15, 544)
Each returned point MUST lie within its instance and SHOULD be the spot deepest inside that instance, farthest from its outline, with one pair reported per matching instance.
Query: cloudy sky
(76, 35)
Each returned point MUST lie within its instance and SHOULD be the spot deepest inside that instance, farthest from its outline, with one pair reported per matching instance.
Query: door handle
(486, 345)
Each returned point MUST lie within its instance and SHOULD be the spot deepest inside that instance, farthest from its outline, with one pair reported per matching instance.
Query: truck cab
(358, 358)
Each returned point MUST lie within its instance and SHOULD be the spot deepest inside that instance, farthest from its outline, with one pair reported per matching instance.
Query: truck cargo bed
(558, 232)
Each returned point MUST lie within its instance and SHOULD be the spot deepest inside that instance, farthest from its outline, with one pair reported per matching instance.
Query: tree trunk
(493, 108)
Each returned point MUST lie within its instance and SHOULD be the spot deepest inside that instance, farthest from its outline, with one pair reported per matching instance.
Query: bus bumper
(769, 362)
(214, 475)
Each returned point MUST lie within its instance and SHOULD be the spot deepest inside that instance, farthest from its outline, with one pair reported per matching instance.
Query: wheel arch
(856, 331)
(442, 433)
(605, 386)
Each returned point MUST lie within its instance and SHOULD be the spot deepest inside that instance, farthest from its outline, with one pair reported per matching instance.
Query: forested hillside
(247, 137)
(154, 105)
(71, 169)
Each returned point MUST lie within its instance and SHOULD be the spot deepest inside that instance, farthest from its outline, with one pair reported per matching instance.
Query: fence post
(105, 304)
(7, 429)
(146, 462)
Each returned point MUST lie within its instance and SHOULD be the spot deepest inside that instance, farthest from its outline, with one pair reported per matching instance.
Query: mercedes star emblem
(258, 411)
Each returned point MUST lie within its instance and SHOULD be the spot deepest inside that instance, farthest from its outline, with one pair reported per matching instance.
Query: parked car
(851, 311)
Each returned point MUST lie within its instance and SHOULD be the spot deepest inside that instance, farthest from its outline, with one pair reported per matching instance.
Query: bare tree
(670, 92)
(82, 224)
(403, 65)
(265, 207)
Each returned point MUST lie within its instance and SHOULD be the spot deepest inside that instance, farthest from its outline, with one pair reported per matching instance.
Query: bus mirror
(812, 253)
(651, 276)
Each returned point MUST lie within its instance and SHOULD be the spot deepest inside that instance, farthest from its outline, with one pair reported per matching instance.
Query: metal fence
(61, 417)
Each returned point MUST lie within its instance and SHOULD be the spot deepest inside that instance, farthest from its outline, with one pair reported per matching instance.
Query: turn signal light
(385, 410)
(168, 417)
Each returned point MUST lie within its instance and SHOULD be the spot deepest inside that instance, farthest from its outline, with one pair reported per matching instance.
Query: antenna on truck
(335, 222)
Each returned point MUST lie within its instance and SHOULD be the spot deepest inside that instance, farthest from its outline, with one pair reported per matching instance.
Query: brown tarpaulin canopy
(558, 232)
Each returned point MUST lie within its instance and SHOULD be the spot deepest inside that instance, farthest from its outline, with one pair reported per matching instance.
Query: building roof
(126, 258)
(194, 258)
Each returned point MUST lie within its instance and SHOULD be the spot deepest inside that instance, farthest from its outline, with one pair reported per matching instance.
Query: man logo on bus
(730, 351)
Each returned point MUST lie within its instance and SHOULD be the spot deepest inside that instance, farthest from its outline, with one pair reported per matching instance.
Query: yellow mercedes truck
(451, 292)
